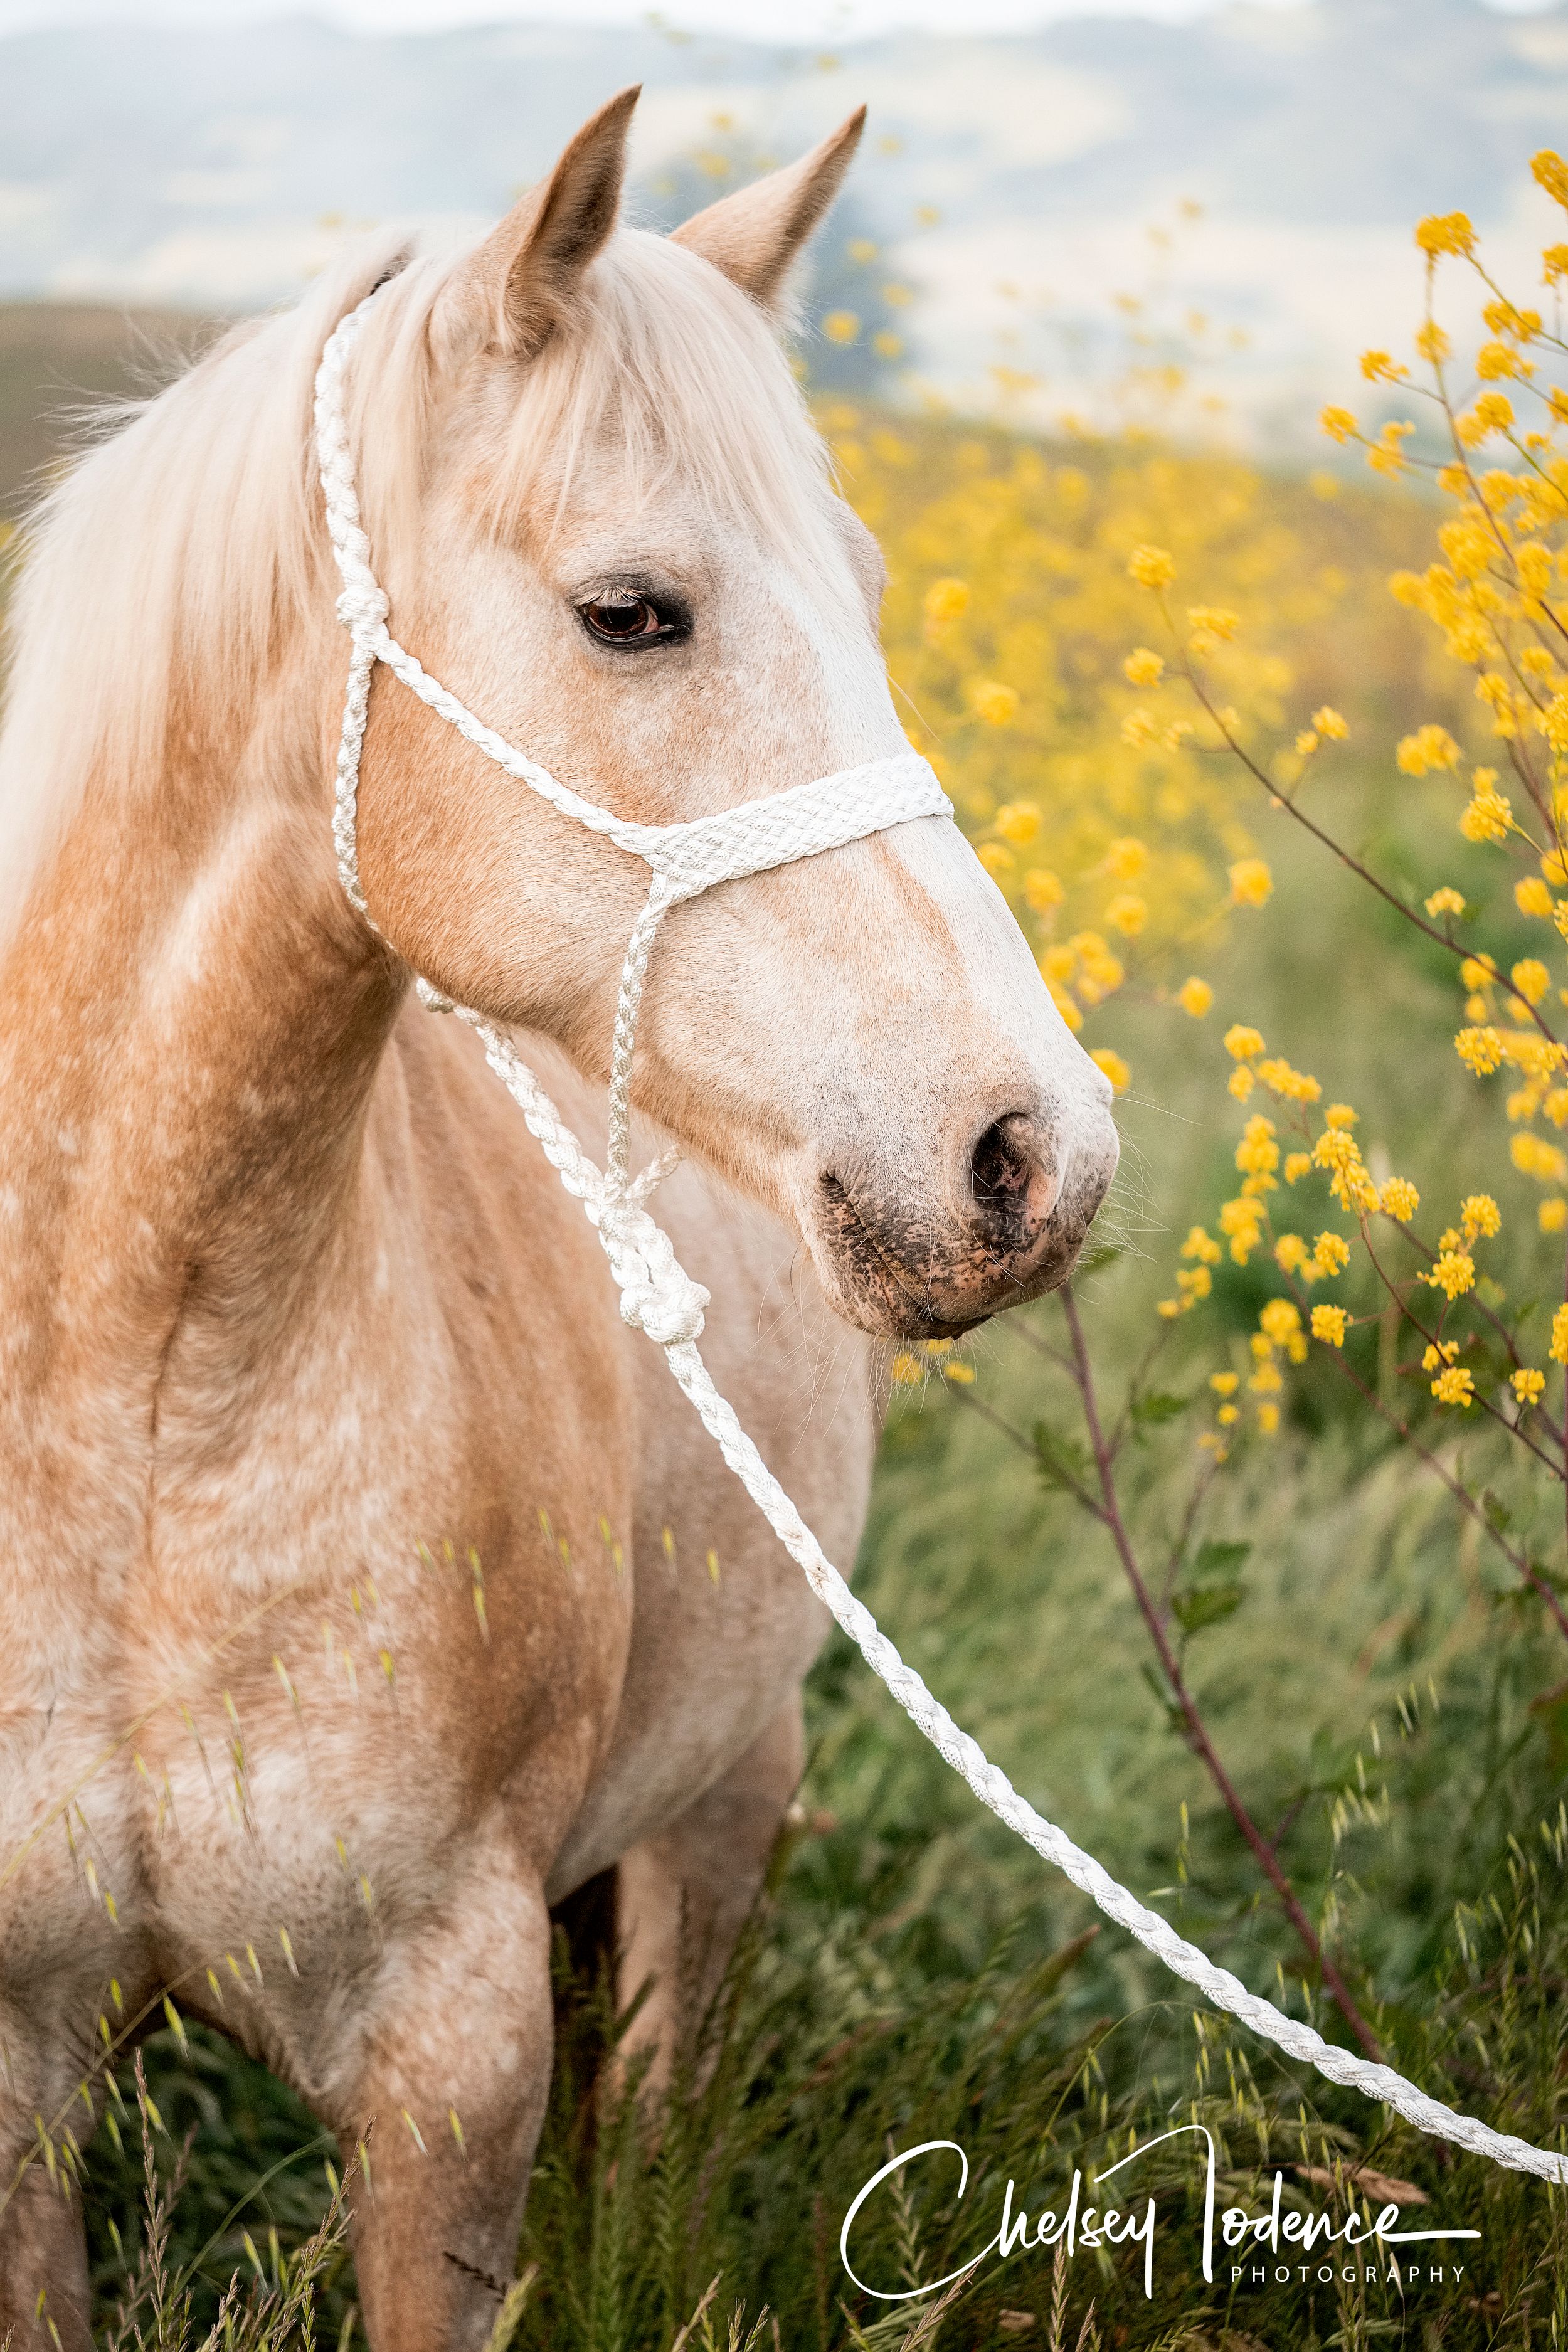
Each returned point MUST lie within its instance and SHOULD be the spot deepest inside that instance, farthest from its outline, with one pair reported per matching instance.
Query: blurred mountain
(1262, 166)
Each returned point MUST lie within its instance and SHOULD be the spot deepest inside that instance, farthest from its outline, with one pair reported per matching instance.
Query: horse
(368, 1586)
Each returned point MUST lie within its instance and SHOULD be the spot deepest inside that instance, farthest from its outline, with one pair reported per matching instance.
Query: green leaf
(1218, 1563)
(1150, 1411)
(1209, 1607)
(1063, 1461)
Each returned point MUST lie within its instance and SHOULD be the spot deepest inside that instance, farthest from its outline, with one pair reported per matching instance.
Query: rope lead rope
(658, 1297)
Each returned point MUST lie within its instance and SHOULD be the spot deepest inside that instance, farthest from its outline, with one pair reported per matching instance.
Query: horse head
(604, 518)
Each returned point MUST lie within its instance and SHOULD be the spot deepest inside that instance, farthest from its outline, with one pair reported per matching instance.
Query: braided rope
(658, 1297)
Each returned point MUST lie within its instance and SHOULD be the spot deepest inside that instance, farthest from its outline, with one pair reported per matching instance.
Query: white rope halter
(657, 1296)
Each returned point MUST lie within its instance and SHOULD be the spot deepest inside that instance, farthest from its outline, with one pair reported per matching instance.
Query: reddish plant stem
(1196, 1730)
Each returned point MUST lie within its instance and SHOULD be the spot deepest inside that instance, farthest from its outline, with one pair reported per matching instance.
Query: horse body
(367, 1584)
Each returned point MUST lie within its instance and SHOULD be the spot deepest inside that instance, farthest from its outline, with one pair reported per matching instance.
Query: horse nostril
(1011, 1177)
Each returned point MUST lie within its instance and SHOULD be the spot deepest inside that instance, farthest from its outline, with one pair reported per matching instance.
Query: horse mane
(167, 567)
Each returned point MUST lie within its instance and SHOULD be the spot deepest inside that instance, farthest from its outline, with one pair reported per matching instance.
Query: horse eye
(621, 617)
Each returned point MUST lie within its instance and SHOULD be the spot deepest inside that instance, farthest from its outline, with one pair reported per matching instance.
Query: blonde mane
(168, 568)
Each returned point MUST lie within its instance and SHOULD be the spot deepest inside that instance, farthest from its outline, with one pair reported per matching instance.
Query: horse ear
(754, 235)
(513, 292)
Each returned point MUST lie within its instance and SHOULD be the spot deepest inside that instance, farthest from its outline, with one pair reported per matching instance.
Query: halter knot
(362, 607)
(658, 1296)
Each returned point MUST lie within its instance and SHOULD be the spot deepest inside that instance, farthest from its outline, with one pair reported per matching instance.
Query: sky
(795, 20)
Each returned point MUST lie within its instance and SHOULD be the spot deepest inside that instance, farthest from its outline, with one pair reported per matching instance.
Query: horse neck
(191, 1024)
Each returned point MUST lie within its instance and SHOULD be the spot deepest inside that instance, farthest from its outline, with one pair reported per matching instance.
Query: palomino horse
(368, 1585)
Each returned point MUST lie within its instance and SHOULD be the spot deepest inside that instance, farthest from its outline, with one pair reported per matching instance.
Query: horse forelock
(161, 574)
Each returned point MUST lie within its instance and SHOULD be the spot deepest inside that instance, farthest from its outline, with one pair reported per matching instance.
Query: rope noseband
(658, 1297)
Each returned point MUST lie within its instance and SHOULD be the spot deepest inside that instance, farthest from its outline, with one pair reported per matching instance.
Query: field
(1389, 1698)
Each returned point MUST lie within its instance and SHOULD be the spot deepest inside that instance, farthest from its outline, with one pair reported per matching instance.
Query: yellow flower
(906, 1369)
(1533, 1156)
(1444, 1352)
(1065, 1005)
(1245, 1044)
(1289, 1252)
(1240, 1084)
(1258, 1154)
(1280, 1322)
(1330, 725)
(1453, 1275)
(1127, 913)
(1378, 367)
(1201, 1244)
(1550, 172)
(1268, 1418)
(1446, 232)
(1306, 744)
(887, 346)
(1329, 1323)
(1480, 1050)
(1528, 1384)
(1297, 1165)
(1115, 1068)
(1266, 1381)
(1532, 979)
(960, 1375)
(1487, 817)
(945, 600)
(993, 702)
(1143, 667)
(1281, 1080)
(1043, 890)
(1227, 1414)
(996, 859)
(1454, 1386)
(841, 326)
(1018, 822)
(1532, 896)
(1552, 1216)
(1478, 972)
(1196, 997)
(1251, 883)
(1399, 1199)
(1338, 423)
(1340, 1114)
(1330, 1255)
(1168, 1308)
(1493, 412)
(1480, 1214)
(1225, 1384)
(1430, 747)
(1126, 859)
(1445, 901)
(1151, 567)
(1558, 1349)
(1139, 727)
(1212, 621)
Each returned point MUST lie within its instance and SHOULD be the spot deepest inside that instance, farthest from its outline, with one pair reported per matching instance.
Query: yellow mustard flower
(1399, 1199)
(1043, 890)
(1452, 1274)
(1018, 822)
(1143, 667)
(1245, 1044)
(1532, 896)
(1445, 901)
(1528, 1384)
(1115, 1068)
(1455, 1385)
(841, 326)
(1297, 1165)
(1196, 997)
(1268, 1418)
(1151, 567)
(1127, 913)
(996, 704)
(1329, 1325)
(1552, 1216)
(1251, 883)
(1330, 725)
(1532, 979)
(945, 600)
(1225, 1384)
